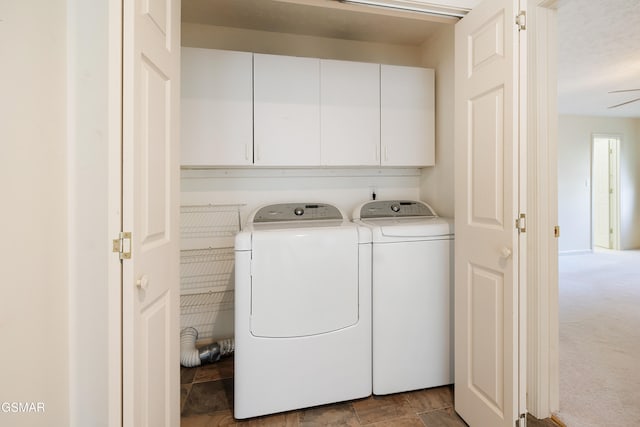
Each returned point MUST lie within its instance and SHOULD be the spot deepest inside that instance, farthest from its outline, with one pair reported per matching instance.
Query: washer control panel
(297, 212)
(395, 208)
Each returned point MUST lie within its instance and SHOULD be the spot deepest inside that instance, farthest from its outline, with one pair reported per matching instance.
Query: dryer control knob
(395, 208)
(298, 211)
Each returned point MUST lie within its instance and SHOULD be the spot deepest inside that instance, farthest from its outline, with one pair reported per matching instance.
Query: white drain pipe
(190, 356)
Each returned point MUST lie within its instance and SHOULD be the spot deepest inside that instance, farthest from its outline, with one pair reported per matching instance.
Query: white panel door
(407, 116)
(217, 107)
(151, 94)
(601, 195)
(488, 386)
(286, 110)
(349, 113)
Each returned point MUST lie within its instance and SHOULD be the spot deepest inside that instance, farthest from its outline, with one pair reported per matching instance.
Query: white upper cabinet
(286, 111)
(349, 113)
(216, 107)
(407, 116)
(241, 109)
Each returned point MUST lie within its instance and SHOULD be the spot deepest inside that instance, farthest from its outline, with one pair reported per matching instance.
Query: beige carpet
(600, 339)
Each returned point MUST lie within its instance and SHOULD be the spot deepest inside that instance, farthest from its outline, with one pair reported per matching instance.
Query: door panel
(151, 90)
(486, 159)
(486, 193)
(487, 340)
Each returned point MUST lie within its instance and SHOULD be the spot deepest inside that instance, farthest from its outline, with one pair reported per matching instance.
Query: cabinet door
(216, 107)
(407, 116)
(287, 111)
(349, 113)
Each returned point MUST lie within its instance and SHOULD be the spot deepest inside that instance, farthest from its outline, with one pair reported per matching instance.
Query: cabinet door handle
(257, 151)
(376, 151)
(386, 154)
(246, 152)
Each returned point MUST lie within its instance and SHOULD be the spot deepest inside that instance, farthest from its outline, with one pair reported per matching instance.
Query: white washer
(412, 295)
(302, 309)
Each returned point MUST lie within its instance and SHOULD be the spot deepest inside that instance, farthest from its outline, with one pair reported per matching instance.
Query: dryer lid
(393, 209)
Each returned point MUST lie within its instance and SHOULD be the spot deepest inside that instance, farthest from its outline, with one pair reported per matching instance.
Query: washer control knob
(395, 208)
(298, 211)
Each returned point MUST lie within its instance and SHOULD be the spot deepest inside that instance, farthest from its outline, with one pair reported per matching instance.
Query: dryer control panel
(395, 208)
(297, 212)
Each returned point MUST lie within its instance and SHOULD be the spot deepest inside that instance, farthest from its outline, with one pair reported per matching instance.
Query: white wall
(345, 188)
(436, 184)
(33, 271)
(574, 179)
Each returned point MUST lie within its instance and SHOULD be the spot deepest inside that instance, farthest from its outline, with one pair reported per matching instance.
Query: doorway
(604, 191)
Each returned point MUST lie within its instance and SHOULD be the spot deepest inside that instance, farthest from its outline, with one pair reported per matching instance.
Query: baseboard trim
(576, 252)
(557, 421)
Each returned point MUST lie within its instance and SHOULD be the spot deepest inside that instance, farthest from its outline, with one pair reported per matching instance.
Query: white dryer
(302, 309)
(411, 295)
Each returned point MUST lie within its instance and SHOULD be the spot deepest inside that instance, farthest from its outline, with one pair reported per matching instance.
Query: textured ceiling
(598, 40)
(598, 52)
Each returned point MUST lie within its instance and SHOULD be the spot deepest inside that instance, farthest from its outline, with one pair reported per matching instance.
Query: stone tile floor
(207, 401)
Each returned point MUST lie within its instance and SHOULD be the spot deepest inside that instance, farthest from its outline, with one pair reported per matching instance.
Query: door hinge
(556, 231)
(521, 20)
(521, 223)
(522, 421)
(122, 245)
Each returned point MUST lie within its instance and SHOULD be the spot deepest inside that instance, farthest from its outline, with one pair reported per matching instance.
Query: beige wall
(33, 270)
(574, 179)
(436, 184)
(213, 37)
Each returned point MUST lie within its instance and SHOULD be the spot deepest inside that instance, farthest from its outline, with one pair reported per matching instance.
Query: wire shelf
(210, 314)
(209, 221)
(198, 303)
(206, 270)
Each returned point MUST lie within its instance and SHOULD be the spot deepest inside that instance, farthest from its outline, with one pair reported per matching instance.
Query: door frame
(542, 260)
(542, 254)
(114, 226)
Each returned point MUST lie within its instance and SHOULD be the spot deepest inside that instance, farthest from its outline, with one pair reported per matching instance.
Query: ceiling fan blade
(623, 90)
(625, 103)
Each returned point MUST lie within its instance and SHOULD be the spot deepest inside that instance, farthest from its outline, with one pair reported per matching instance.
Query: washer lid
(393, 209)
